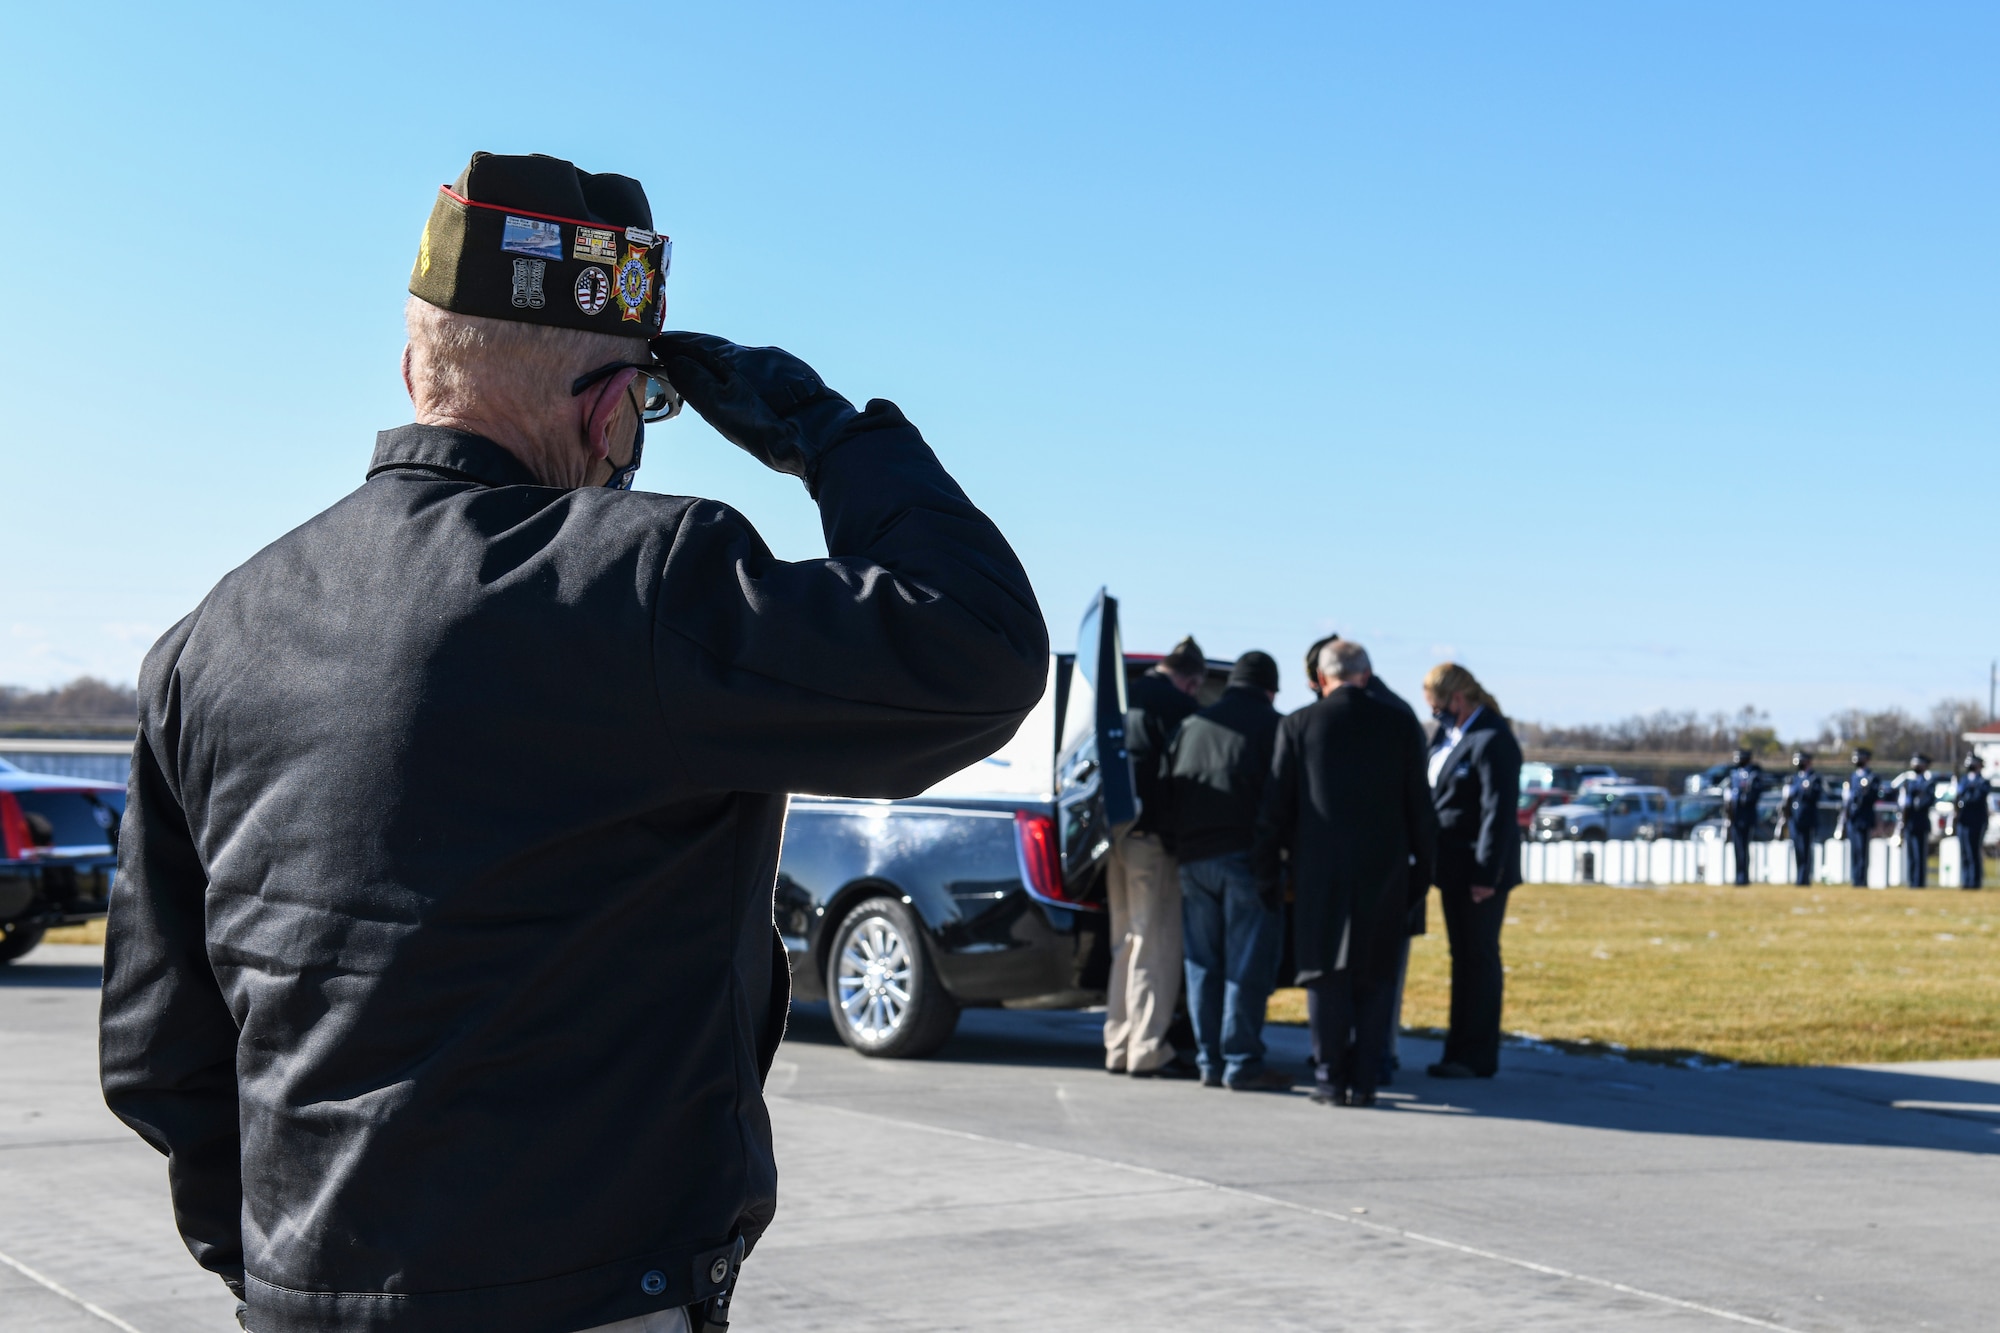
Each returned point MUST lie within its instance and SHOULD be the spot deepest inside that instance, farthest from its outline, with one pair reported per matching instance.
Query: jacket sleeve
(1498, 848)
(167, 1041)
(1277, 815)
(915, 648)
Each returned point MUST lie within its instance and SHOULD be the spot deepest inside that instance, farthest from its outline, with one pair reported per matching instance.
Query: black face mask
(621, 477)
(1444, 717)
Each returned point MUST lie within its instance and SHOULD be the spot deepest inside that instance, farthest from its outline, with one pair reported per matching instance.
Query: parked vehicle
(58, 853)
(1710, 825)
(1689, 811)
(1535, 799)
(988, 889)
(1708, 780)
(1562, 777)
(1606, 812)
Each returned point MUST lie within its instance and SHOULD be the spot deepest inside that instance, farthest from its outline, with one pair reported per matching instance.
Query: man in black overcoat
(1348, 805)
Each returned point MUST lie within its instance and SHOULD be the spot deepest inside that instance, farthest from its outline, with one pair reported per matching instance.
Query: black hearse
(988, 889)
(58, 853)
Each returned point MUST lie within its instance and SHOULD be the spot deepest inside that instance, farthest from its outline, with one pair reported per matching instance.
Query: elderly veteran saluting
(441, 961)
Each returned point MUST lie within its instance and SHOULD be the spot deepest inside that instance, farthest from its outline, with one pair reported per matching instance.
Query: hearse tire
(18, 940)
(893, 1005)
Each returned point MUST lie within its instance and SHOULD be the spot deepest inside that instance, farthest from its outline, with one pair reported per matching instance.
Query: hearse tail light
(15, 840)
(1041, 865)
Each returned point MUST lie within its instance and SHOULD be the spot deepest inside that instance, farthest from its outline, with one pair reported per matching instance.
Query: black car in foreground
(58, 853)
(988, 889)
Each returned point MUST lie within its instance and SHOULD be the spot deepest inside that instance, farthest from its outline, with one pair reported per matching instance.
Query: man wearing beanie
(1143, 884)
(441, 962)
(1216, 770)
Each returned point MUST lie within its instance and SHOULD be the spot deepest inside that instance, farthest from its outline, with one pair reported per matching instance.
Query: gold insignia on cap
(424, 249)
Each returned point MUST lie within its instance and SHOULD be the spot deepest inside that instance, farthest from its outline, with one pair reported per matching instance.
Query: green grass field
(1761, 974)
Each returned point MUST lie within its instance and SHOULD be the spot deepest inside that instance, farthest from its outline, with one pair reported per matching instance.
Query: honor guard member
(1916, 793)
(1740, 791)
(1857, 813)
(441, 962)
(1799, 814)
(1971, 805)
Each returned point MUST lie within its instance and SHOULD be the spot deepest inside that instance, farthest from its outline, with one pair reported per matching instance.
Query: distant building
(1985, 742)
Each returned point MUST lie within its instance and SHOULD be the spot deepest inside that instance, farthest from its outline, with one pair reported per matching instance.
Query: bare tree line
(84, 699)
(1893, 733)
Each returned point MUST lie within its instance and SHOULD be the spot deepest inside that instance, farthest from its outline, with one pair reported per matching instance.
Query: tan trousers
(1145, 893)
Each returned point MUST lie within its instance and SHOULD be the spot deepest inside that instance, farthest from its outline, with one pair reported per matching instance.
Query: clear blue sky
(1516, 332)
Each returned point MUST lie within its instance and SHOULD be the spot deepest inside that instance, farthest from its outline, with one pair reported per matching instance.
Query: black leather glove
(763, 400)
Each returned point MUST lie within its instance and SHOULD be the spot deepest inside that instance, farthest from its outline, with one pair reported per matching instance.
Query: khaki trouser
(1145, 893)
(660, 1321)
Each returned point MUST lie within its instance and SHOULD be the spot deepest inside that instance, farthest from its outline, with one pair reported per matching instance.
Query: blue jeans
(1231, 942)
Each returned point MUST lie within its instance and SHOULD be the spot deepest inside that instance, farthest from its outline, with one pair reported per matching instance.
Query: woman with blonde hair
(1475, 774)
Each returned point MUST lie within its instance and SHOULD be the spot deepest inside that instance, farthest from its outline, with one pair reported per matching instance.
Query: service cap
(536, 240)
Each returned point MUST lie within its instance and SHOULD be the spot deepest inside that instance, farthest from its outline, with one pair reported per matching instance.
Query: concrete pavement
(1009, 1184)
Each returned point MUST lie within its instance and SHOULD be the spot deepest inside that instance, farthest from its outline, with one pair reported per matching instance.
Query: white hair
(1343, 659)
(457, 359)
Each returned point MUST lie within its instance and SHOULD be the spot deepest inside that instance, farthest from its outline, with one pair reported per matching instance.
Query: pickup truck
(988, 889)
(1603, 812)
(58, 841)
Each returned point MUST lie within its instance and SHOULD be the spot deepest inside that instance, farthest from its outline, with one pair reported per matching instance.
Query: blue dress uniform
(1801, 796)
(1972, 802)
(1916, 793)
(1857, 816)
(1741, 789)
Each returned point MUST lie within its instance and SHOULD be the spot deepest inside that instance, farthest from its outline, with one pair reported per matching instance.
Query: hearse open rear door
(1095, 795)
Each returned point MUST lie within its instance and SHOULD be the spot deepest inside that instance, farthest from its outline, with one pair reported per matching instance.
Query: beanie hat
(1257, 670)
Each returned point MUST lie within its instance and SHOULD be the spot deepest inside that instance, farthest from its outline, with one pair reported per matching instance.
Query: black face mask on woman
(1443, 715)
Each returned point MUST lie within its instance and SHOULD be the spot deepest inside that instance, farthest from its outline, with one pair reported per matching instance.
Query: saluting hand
(763, 400)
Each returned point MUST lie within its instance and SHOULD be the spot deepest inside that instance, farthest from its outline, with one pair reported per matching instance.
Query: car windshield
(1596, 800)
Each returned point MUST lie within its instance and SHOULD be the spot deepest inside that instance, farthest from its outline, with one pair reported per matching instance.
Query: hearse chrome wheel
(874, 981)
(884, 993)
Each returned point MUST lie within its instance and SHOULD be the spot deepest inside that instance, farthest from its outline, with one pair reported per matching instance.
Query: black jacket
(1216, 767)
(1916, 793)
(1801, 802)
(444, 905)
(1347, 800)
(1857, 800)
(1154, 712)
(1478, 796)
(1970, 801)
(1742, 787)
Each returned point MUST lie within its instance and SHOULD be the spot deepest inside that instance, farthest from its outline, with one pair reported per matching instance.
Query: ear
(409, 385)
(600, 403)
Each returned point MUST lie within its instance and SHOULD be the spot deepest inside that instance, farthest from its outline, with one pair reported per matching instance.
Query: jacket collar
(1480, 721)
(458, 454)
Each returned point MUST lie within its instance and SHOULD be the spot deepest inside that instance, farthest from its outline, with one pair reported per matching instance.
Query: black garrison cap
(536, 240)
